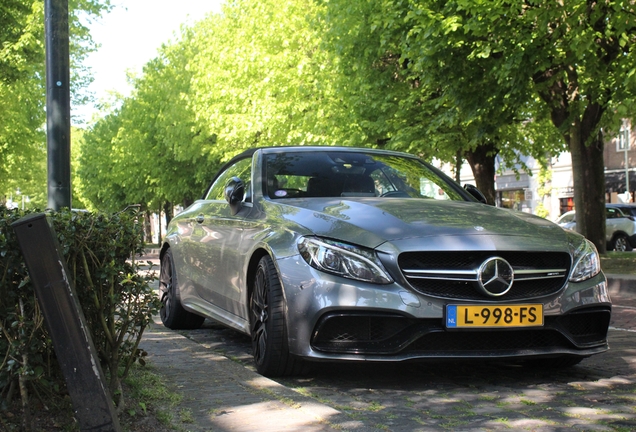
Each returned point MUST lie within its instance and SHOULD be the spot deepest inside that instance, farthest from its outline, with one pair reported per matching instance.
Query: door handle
(200, 218)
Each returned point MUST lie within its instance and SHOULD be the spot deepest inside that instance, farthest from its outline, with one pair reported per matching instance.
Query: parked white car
(620, 231)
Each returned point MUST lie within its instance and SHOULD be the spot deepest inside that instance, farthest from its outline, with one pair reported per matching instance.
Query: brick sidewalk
(223, 395)
(227, 395)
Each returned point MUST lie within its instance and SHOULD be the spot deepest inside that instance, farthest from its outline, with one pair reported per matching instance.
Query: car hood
(372, 221)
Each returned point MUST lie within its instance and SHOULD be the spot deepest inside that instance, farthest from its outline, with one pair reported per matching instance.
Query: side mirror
(234, 194)
(476, 193)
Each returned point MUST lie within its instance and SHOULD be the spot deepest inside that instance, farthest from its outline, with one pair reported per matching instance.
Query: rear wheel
(621, 243)
(173, 315)
(268, 327)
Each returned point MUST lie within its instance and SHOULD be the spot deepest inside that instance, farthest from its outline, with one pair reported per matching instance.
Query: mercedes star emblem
(495, 276)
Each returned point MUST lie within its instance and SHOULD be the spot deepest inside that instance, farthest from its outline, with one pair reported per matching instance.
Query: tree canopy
(450, 80)
(146, 151)
(572, 59)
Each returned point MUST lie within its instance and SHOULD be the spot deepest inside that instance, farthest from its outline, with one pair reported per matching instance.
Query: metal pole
(58, 104)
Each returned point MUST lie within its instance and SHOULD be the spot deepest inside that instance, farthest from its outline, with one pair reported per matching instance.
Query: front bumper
(331, 318)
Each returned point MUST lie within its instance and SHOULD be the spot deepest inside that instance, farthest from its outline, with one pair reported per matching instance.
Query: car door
(217, 235)
(616, 221)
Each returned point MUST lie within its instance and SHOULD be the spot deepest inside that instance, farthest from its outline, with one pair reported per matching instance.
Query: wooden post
(94, 408)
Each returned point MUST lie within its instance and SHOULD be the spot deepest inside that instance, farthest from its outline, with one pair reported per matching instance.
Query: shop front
(514, 192)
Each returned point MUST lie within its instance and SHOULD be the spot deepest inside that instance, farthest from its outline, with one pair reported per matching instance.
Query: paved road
(224, 393)
(212, 367)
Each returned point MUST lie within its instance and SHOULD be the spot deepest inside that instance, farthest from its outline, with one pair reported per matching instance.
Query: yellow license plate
(463, 316)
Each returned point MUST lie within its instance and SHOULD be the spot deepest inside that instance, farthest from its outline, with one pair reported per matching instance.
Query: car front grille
(389, 334)
(455, 275)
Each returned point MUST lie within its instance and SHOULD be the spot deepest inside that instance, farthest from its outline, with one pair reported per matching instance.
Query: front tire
(621, 243)
(172, 313)
(268, 326)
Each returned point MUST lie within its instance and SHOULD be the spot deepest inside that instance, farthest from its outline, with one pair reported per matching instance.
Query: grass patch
(185, 415)
(375, 407)
(149, 407)
(150, 402)
(619, 263)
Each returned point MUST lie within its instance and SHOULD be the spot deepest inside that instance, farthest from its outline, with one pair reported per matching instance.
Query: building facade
(549, 191)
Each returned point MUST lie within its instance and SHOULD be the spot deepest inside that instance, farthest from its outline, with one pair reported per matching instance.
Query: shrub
(117, 301)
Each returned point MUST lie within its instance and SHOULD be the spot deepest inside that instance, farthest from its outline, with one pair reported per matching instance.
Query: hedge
(101, 252)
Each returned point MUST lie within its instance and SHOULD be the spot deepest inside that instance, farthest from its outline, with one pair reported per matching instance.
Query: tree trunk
(588, 173)
(482, 163)
(159, 236)
(167, 209)
(458, 165)
(147, 226)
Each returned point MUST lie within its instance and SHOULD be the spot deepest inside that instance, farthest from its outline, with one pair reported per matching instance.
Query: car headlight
(343, 259)
(587, 262)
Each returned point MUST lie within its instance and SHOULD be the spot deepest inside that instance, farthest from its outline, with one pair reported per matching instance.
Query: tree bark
(147, 227)
(167, 209)
(458, 165)
(588, 173)
(482, 163)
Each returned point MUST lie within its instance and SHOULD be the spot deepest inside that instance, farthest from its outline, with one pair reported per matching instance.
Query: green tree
(151, 143)
(404, 100)
(96, 168)
(22, 89)
(571, 59)
(260, 78)
(252, 76)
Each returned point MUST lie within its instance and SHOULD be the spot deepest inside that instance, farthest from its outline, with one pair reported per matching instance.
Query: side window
(241, 169)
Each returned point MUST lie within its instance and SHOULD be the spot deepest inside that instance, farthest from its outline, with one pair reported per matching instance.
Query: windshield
(353, 174)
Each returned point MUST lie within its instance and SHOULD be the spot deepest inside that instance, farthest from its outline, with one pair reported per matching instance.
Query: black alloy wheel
(268, 327)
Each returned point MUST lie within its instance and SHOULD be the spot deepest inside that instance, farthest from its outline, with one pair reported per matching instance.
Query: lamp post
(25, 198)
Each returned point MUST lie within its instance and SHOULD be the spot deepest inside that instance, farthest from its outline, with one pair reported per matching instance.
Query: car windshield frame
(337, 173)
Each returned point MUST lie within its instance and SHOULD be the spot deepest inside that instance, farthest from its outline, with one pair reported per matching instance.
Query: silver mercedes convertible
(346, 254)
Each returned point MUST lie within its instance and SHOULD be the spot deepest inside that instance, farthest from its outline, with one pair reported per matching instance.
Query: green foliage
(77, 191)
(260, 78)
(151, 144)
(20, 31)
(97, 168)
(253, 76)
(23, 92)
(117, 301)
(438, 79)
(569, 61)
(406, 72)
